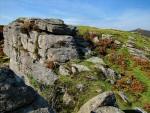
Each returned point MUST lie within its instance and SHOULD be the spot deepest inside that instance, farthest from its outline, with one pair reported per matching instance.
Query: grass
(91, 87)
(140, 75)
(119, 35)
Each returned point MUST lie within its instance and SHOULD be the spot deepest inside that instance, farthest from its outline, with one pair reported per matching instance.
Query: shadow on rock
(17, 97)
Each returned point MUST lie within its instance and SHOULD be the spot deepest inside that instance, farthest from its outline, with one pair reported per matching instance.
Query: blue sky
(118, 14)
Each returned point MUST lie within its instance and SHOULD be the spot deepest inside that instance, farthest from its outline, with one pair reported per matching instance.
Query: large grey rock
(34, 44)
(16, 97)
(103, 99)
(108, 109)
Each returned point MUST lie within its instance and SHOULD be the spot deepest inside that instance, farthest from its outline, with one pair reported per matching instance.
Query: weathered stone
(109, 74)
(95, 40)
(108, 109)
(107, 36)
(63, 70)
(41, 110)
(67, 99)
(80, 87)
(117, 42)
(32, 44)
(57, 48)
(96, 60)
(80, 68)
(103, 99)
(123, 96)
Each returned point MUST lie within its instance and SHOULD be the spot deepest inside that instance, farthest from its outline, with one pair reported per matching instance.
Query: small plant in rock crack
(27, 26)
(50, 64)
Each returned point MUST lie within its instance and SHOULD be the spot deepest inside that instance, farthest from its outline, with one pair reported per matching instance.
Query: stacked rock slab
(33, 44)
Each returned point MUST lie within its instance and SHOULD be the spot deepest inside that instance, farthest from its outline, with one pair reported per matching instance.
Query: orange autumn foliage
(147, 107)
(130, 84)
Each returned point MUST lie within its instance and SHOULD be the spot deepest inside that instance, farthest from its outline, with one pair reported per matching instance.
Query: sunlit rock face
(33, 44)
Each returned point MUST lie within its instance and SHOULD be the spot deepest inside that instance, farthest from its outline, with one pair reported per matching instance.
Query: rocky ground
(71, 69)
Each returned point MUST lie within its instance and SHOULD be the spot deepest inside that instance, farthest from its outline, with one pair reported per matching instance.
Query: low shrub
(147, 107)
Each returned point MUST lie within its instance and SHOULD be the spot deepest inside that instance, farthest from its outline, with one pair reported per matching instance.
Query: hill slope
(142, 32)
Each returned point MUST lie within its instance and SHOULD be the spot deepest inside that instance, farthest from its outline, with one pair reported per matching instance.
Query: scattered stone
(67, 99)
(74, 70)
(99, 90)
(81, 68)
(123, 96)
(106, 36)
(63, 70)
(96, 60)
(131, 38)
(80, 87)
(109, 74)
(103, 99)
(117, 42)
(95, 40)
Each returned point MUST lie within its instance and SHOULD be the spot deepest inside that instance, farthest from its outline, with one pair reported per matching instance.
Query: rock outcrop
(33, 45)
(103, 99)
(16, 97)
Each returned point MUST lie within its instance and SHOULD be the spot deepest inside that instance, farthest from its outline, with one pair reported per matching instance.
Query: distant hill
(142, 32)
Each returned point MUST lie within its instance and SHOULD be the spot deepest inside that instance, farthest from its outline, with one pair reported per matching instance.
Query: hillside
(76, 69)
(130, 59)
(142, 32)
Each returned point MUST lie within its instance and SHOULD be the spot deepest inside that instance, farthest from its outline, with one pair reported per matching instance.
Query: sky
(116, 14)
